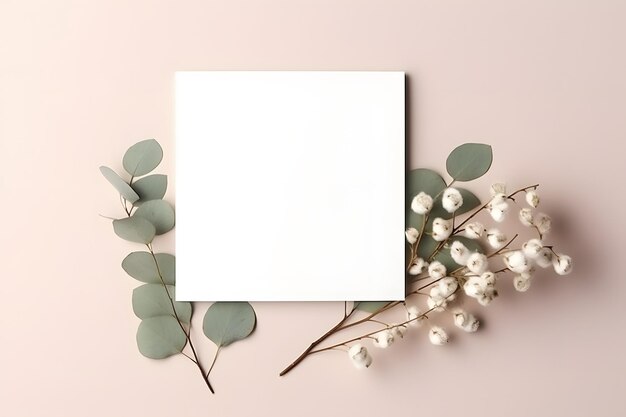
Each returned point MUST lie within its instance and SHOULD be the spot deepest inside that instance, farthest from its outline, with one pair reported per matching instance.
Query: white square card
(290, 186)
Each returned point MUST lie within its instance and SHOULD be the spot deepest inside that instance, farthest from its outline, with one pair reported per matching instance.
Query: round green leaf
(134, 229)
(141, 266)
(421, 180)
(120, 185)
(469, 161)
(370, 306)
(160, 337)
(151, 300)
(228, 322)
(142, 157)
(158, 212)
(152, 187)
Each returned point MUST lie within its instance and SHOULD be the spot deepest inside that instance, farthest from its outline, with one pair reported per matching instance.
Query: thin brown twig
(368, 335)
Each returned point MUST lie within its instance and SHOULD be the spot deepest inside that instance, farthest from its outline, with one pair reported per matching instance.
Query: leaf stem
(195, 359)
(187, 334)
(217, 352)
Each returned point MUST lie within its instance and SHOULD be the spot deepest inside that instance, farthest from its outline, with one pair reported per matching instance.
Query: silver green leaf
(152, 300)
(370, 306)
(151, 187)
(134, 229)
(120, 185)
(421, 180)
(469, 161)
(424, 180)
(141, 266)
(158, 212)
(160, 337)
(142, 157)
(227, 322)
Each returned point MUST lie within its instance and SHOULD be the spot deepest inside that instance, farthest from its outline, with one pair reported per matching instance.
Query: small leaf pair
(139, 159)
(154, 217)
(159, 334)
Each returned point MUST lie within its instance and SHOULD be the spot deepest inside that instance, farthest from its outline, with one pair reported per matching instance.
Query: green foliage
(142, 157)
(120, 185)
(425, 180)
(134, 229)
(158, 212)
(421, 180)
(151, 187)
(469, 161)
(152, 300)
(141, 266)
(160, 337)
(466, 162)
(227, 322)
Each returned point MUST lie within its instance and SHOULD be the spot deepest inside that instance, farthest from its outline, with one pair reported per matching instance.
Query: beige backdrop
(542, 81)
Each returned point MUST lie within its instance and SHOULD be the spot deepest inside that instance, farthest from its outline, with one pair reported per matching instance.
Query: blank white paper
(290, 186)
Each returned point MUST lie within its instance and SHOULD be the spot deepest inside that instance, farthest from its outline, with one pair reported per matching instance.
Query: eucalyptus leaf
(370, 306)
(141, 266)
(227, 322)
(469, 161)
(426, 247)
(160, 337)
(134, 229)
(142, 157)
(158, 212)
(151, 187)
(120, 185)
(421, 180)
(425, 180)
(151, 300)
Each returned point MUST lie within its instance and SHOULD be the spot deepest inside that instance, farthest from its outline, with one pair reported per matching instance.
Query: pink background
(542, 81)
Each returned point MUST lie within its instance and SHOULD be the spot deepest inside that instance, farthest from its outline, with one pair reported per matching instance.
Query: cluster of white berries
(474, 276)
(360, 356)
(481, 287)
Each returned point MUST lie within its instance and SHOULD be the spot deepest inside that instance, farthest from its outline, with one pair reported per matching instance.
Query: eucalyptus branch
(195, 359)
(148, 215)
